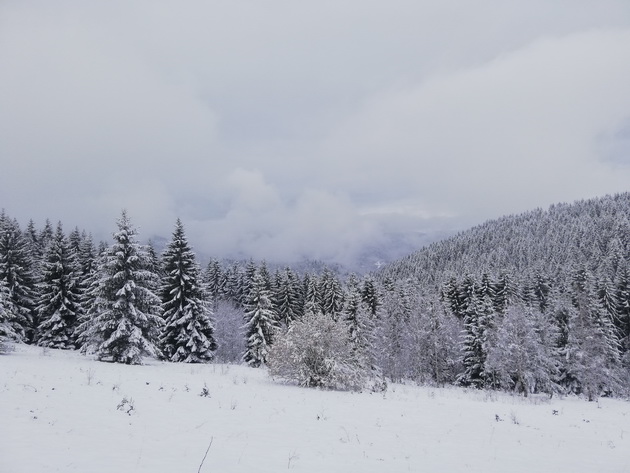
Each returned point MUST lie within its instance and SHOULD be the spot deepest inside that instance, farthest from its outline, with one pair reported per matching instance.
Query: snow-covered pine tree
(228, 323)
(434, 351)
(592, 349)
(478, 321)
(45, 237)
(287, 296)
(188, 333)
(331, 294)
(623, 309)
(60, 294)
(260, 322)
(155, 265)
(87, 256)
(234, 287)
(125, 317)
(521, 357)
(6, 329)
(16, 274)
(391, 331)
(312, 298)
(75, 239)
(505, 292)
(214, 278)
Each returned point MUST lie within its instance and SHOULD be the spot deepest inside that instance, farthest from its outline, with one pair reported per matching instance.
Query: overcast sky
(286, 128)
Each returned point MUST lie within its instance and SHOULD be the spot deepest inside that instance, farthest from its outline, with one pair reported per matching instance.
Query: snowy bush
(4, 346)
(315, 352)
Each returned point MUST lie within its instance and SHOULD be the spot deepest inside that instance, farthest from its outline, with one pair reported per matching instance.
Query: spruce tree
(312, 299)
(59, 305)
(188, 333)
(16, 274)
(6, 327)
(125, 322)
(260, 322)
(522, 356)
(287, 297)
(478, 325)
(331, 294)
(392, 331)
(592, 349)
(214, 278)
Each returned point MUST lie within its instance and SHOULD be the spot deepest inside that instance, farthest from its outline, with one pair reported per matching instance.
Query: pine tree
(522, 357)
(370, 295)
(287, 297)
(623, 310)
(188, 333)
(87, 256)
(16, 274)
(6, 327)
(126, 321)
(46, 236)
(155, 265)
(357, 317)
(75, 239)
(59, 305)
(592, 349)
(331, 294)
(478, 325)
(214, 277)
(260, 322)
(391, 332)
(434, 333)
(234, 287)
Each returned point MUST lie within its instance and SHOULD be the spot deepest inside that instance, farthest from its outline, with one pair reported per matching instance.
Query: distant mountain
(393, 247)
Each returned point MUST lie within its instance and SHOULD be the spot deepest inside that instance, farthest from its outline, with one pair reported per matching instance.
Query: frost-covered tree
(331, 294)
(314, 352)
(6, 328)
(434, 350)
(16, 274)
(214, 277)
(391, 337)
(592, 351)
(260, 322)
(478, 324)
(188, 333)
(287, 297)
(521, 357)
(60, 294)
(234, 286)
(125, 317)
(86, 256)
(46, 235)
(312, 300)
(228, 320)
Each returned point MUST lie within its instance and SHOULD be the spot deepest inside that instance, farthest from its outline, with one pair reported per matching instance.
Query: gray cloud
(286, 129)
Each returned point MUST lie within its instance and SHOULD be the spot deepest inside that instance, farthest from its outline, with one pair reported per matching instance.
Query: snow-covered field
(61, 411)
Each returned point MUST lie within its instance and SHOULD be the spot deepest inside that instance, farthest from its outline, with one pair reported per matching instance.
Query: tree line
(535, 303)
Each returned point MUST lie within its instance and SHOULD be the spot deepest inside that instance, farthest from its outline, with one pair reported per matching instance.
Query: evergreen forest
(531, 303)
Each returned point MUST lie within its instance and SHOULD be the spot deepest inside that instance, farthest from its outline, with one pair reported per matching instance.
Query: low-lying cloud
(290, 130)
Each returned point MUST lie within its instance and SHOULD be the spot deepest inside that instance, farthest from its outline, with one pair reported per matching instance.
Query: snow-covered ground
(61, 411)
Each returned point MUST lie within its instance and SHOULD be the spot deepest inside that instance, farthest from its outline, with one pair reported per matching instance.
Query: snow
(59, 413)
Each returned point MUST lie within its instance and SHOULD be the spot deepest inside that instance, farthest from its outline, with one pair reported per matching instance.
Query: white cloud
(291, 129)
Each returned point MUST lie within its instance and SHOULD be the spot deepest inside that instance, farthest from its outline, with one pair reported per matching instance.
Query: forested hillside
(548, 285)
(592, 233)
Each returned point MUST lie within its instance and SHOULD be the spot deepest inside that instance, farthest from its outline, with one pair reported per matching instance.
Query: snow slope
(59, 413)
